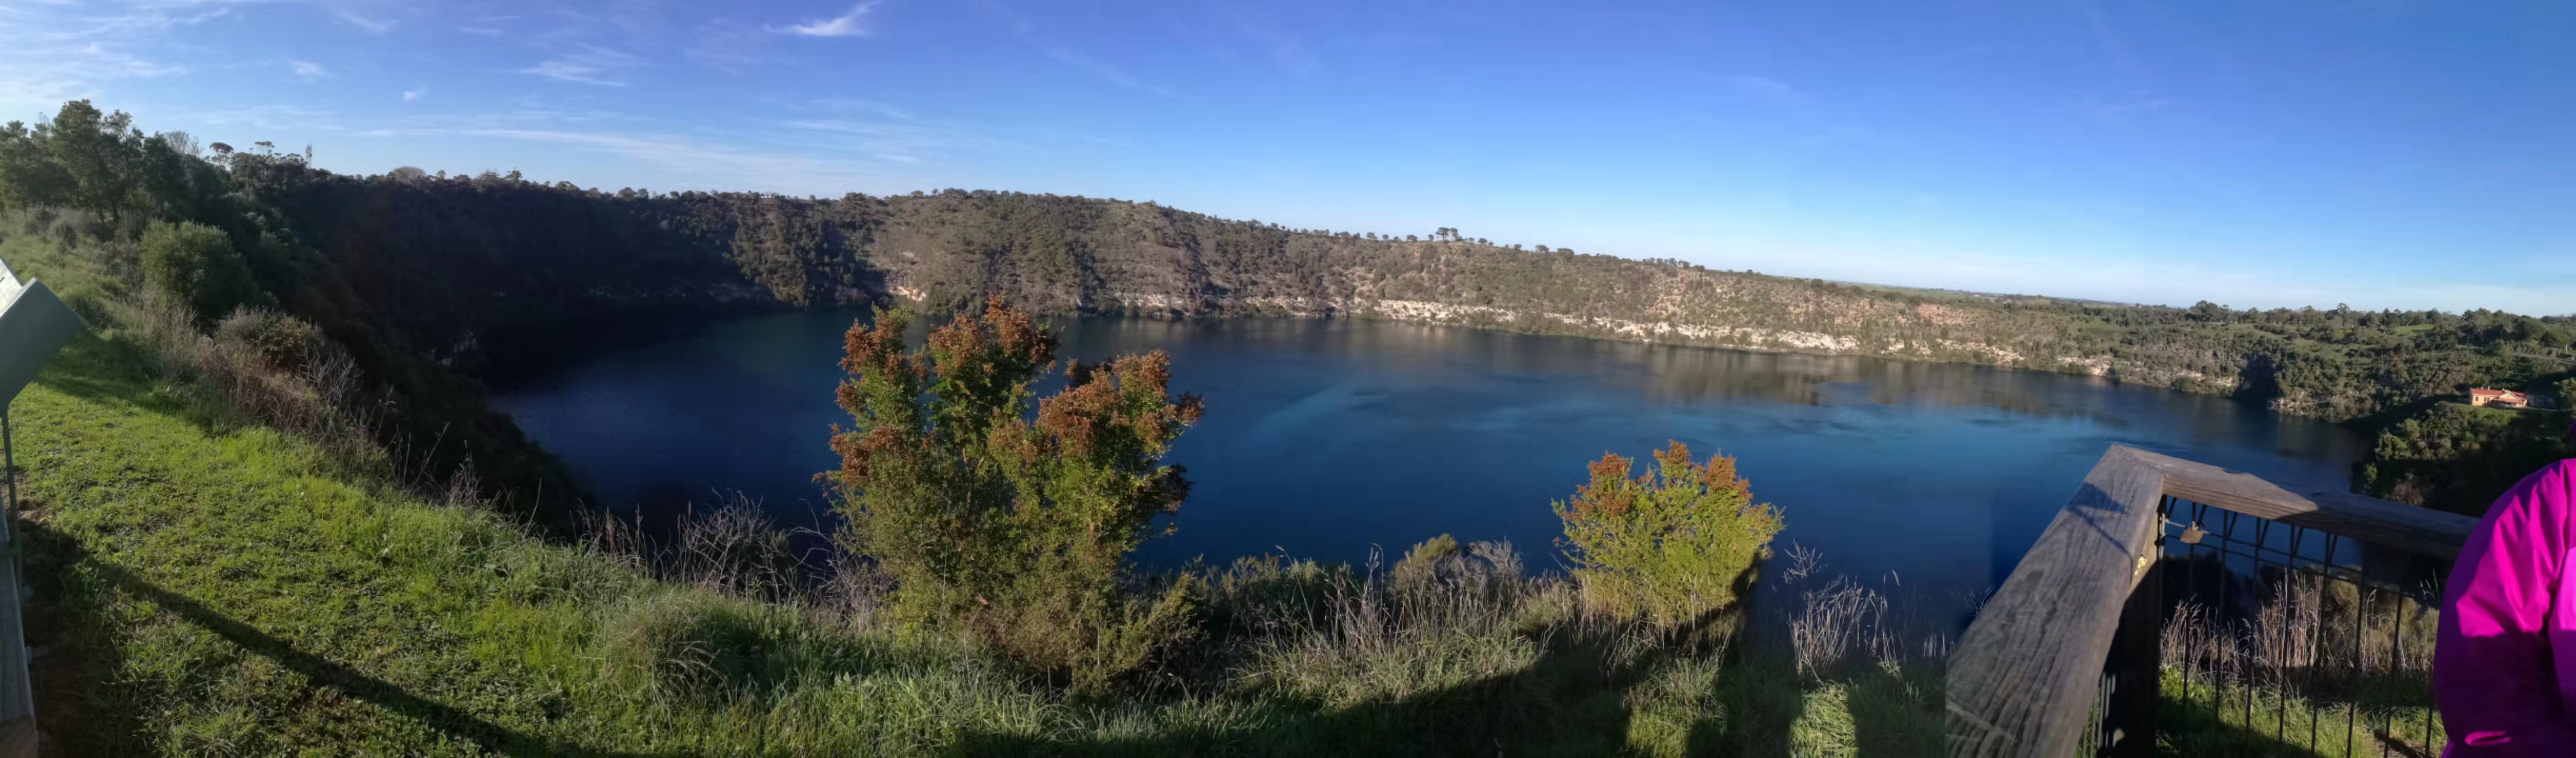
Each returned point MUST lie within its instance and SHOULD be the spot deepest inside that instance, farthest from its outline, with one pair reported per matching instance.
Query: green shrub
(1425, 563)
(196, 266)
(1017, 528)
(282, 341)
(1669, 545)
(1262, 593)
(697, 648)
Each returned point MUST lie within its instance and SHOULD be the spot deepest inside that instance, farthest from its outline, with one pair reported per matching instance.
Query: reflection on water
(1331, 438)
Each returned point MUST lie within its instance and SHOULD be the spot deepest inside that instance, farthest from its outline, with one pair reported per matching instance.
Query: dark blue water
(1332, 438)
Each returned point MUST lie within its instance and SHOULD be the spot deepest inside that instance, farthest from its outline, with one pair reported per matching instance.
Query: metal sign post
(34, 324)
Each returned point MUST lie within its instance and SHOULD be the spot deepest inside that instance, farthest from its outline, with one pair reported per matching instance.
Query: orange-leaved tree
(1015, 525)
(1668, 545)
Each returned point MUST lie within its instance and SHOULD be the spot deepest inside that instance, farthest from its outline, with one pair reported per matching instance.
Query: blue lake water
(1333, 438)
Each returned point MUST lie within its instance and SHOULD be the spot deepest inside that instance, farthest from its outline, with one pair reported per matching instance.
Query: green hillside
(407, 273)
(269, 511)
(213, 588)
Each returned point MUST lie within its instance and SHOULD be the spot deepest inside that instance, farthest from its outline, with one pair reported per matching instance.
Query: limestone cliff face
(459, 260)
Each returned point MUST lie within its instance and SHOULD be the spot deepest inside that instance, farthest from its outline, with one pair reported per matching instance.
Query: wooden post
(2414, 529)
(2025, 675)
(2086, 602)
(2136, 664)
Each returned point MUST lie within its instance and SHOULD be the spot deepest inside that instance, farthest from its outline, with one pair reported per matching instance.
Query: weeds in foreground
(214, 586)
(232, 595)
(2299, 664)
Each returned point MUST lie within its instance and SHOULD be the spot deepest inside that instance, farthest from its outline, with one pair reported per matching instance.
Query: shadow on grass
(90, 659)
(1575, 700)
(2294, 670)
(107, 372)
(1569, 702)
(2187, 729)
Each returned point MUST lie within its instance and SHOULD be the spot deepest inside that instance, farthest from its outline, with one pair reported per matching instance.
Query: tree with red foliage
(1668, 545)
(1015, 525)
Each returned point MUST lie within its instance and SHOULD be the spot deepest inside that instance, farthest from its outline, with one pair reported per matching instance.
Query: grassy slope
(213, 590)
(227, 593)
(2197, 718)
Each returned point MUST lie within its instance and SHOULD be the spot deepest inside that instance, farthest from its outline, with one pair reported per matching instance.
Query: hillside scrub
(211, 590)
(195, 266)
(407, 271)
(208, 584)
(2460, 458)
(1014, 527)
(1670, 545)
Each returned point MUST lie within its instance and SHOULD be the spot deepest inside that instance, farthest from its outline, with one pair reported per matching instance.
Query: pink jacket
(2504, 665)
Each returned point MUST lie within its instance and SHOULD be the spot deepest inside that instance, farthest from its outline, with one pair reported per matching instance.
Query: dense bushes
(407, 271)
(1017, 529)
(2460, 458)
(196, 266)
(1672, 544)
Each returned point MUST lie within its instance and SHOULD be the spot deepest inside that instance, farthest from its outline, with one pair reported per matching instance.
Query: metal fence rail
(2173, 606)
(2286, 640)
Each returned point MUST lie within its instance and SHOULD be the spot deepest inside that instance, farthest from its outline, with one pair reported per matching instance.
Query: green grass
(2198, 718)
(204, 587)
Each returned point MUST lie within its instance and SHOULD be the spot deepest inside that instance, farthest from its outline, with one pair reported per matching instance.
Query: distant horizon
(453, 174)
(2386, 155)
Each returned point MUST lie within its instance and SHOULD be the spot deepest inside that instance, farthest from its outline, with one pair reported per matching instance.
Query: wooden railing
(2063, 659)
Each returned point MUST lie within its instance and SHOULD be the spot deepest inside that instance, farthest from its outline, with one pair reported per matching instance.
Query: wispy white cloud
(1062, 136)
(484, 24)
(102, 58)
(2123, 107)
(849, 24)
(2139, 274)
(308, 70)
(257, 117)
(50, 52)
(1027, 34)
(1799, 106)
(1106, 71)
(371, 24)
(856, 105)
(907, 138)
(704, 164)
(532, 113)
(731, 46)
(1759, 85)
(2107, 38)
(587, 64)
(415, 94)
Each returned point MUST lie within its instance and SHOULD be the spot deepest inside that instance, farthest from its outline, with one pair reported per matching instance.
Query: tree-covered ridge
(540, 251)
(445, 258)
(409, 269)
(544, 249)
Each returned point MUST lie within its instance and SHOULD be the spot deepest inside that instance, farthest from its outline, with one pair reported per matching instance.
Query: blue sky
(2383, 154)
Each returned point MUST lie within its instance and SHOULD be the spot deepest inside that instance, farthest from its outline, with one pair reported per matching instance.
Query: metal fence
(2279, 639)
(2173, 607)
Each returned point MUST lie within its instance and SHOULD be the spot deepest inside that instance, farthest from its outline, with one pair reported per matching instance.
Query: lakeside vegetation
(276, 514)
(236, 551)
(407, 270)
(206, 585)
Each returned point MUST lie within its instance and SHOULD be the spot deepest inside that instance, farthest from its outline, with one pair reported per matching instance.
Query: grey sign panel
(34, 324)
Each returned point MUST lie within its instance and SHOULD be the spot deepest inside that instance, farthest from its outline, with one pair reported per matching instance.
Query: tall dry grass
(2298, 659)
(2304, 632)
